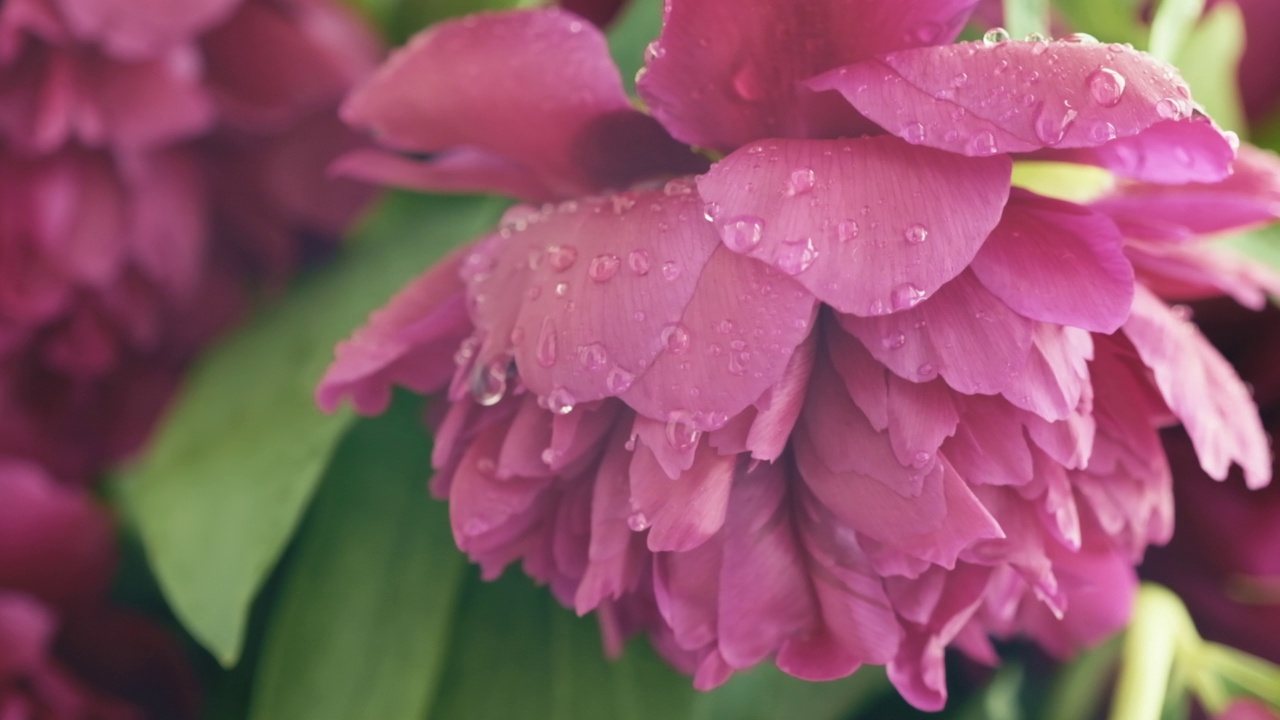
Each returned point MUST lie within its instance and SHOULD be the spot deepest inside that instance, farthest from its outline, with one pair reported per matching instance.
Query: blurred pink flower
(64, 654)
(844, 397)
(158, 164)
(1259, 82)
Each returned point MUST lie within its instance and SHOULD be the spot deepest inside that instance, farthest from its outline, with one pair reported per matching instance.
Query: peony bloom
(844, 395)
(65, 655)
(1224, 560)
(157, 163)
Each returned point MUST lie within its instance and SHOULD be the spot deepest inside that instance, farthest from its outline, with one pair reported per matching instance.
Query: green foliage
(234, 465)
(1209, 59)
(1023, 17)
(1171, 25)
(639, 25)
(400, 19)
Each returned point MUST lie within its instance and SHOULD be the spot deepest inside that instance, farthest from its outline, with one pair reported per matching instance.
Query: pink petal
(481, 505)
(921, 417)
(1057, 262)
(865, 379)
(1202, 390)
(1186, 272)
(1056, 375)
(963, 333)
(536, 88)
(989, 446)
(684, 512)
(615, 553)
(408, 342)
(721, 76)
(527, 436)
(1149, 211)
(133, 29)
(867, 248)
(465, 170)
(632, 296)
(1019, 96)
(778, 410)
(686, 587)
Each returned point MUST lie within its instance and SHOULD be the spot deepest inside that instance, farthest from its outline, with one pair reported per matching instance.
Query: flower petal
(722, 75)
(132, 30)
(870, 226)
(1057, 262)
(1020, 96)
(536, 88)
(1202, 390)
(963, 333)
(683, 512)
(1185, 272)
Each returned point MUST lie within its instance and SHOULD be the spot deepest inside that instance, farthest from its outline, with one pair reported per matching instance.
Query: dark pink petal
(1202, 390)
(27, 632)
(989, 446)
(1020, 96)
(722, 75)
(616, 552)
(536, 88)
(1057, 262)
(527, 437)
(1172, 152)
(484, 510)
(633, 296)
(686, 587)
(921, 417)
(779, 408)
(865, 378)
(870, 226)
(466, 170)
(131, 29)
(684, 512)
(409, 342)
(1251, 195)
(1186, 272)
(963, 333)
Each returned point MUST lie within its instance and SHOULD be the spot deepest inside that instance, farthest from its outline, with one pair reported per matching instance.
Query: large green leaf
(360, 627)
(237, 459)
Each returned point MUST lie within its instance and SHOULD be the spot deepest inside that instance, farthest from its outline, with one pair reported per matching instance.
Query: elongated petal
(1021, 96)
(722, 75)
(963, 333)
(870, 226)
(536, 88)
(1186, 271)
(1202, 390)
(1058, 262)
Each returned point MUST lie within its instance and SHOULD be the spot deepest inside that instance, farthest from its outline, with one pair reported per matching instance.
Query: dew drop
(1106, 86)
(906, 296)
(913, 133)
(983, 144)
(562, 257)
(1169, 109)
(742, 234)
(603, 267)
(618, 380)
(797, 256)
(671, 269)
(800, 182)
(846, 230)
(1102, 131)
(682, 434)
(675, 338)
(893, 341)
(747, 83)
(724, 327)
(1080, 38)
(592, 356)
(638, 522)
(486, 467)
(926, 371)
(560, 401)
(562, 289)
(1053, 121)
(622, 203)
(638, 261)
(489, 383)
(916, 234)
(921, 458)
(548, 344)
(995, 36)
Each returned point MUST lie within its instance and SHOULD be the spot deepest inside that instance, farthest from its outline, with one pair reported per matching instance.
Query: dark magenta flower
(843, 396)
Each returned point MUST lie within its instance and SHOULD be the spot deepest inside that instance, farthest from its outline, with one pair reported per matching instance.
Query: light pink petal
(1186, 272)
(674, 445)
(1251, 195)
(989, 446)
(779, 408)
(408, 342)
(1056, 375)
(684, 512)
(864, 246)
(1057, 262)
(963, 333)
(1172, 152)
(1021, 96)
(1100, 587)
(616, 553)
(921, 417)
(528, 435)
(1202, 390)
(722, 75)
(536, 88)
(633, 296)
(138, 28)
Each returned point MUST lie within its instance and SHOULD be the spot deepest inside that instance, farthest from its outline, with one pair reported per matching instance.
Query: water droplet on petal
(671, 269)
(995, 36)
(592, 356)
(1053, 121)
(796, 256)
(1102, 131)
(926, 371)
(638, 522)
(906, 296)
(1106, 86)
(562, 289)
(622, 203)
(604, 267)
(486, 466)
(618, 380)
(916, 234)
(1169, 109)
(983, 144)
(893, 340)
(682, 434)
(675, 338)
(560, 401)
(921, 458)
(748, 84)
(678, 187)
(1080, 38)
(913, 133)
(562, 257)
(800, 182)
(846, 230)
(489, 383)
(638, 261)
(1233, 139)
(742, 234)
(548, 344)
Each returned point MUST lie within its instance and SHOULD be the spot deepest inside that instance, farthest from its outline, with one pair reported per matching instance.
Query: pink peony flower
(64, 654)
(158, 164)
(843, 396)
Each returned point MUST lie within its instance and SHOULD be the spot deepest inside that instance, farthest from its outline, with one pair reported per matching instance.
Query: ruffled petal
(1202, 390)
(680, 513)
(1021, 96)
(1058, 262)
(867, 247)
(535, 88)
(722, 75)
(1185, 272)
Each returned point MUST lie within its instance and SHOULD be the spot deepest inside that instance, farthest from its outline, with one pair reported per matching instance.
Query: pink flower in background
(1259, 83)
(158, 164)
(64, 654)
(843, 396)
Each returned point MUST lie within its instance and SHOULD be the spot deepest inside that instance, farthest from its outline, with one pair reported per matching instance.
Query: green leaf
(639, 25)
(1171, 25)
(235, 463)
(400, 19)
(767, 693)
(368, 597)
(1109, 20)
(1262, 245)
(1023, 17)
(999, 700)
(1079, 687)
(1151, 646)
(1210, 60)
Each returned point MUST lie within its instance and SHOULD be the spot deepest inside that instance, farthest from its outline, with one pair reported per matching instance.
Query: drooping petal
(1185, 272)
(1172, 152)
(963, 333)
(535, 88)
(1057, 262)
(722, 75)
(1021, 96)
(1056, 375)
(989, 446)
(681, 513)
(870, 226)
(778, 410)
(921, 417)
(1202, 390)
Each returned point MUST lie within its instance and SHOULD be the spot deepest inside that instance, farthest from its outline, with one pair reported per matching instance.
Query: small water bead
(914, 133)
(671, 270)
(1169, 109)
(676, 338)
(983, 144)
(622, 203)
(921, 458)
(654, 51)
(846, 230)
(548, 348)
(466, 351)
(1106, 86)
(916, 234)
(724, 327)
(1080, 38)
(562, 289)
(562, 257)
(995, 36)
(796, 256)
(638, 522)
(486, 466)
(926, 371)
(800, 182)
(893, 341)
(604, 267)
(489, 383)
(638, 261)
(619, 380)
(681, 432)
(906, 296)
(517, 336)
(592, 356)
(638, 316)
(738, 362)
(560, 401)
(549, 457)
(1102, 131)
(742, 234)
(1053, 121)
